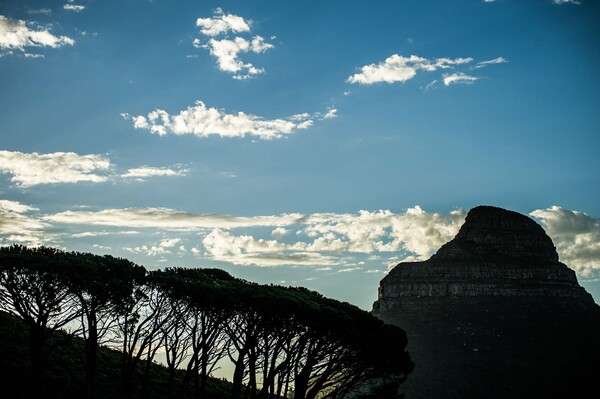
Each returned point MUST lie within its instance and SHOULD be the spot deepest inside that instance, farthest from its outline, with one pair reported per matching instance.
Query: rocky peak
(496, 253)
(495, 314)
(498, 234)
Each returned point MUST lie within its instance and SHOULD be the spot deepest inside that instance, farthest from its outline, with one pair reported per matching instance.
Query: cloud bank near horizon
(329, 241)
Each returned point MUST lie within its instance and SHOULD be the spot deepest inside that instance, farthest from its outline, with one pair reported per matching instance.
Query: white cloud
(348, 269)
(458, 78)
(499, 60)
(576, 236)
(162, 248)
(222, 23)
(330, 114)
(333, 237)
(170, 219)
(102, 233)
(279, 232)
(29, 169)
(227, 50)
(74, 7)
(149, 171)
(415, 231)
(246, 250)
(566, 2)
(169, 242)
(203, 122)
(17, 225)
(397, 68)
(44, 11)
(16, 35)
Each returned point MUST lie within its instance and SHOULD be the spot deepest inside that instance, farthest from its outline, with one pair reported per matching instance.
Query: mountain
(494, 314)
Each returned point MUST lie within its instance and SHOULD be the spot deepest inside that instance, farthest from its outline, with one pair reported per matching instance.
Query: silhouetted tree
(100, 284)
(141, 317)
(33, 286)
(281, 341)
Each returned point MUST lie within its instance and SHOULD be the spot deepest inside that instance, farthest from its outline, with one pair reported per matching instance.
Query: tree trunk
(37, 336)
(91, 358)
(238, 375)
(203, 374)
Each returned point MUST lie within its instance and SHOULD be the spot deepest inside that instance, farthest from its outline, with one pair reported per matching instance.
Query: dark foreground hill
(270, 341)
(494, 314)
(65, 377)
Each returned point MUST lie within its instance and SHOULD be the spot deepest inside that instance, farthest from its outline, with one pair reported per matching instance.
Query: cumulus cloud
(397, 68)
(164, 247)
(415, 231)
(326, 239)
(227, 50)
(74, 7)
(246, 250)
(576, 236)
(331, 239)
(30, 169)
(483, 64)
(458, 78)
(227, 53)
(16, 35)
(280, 232)
(149, 171)
(222, 23)
(203, 121)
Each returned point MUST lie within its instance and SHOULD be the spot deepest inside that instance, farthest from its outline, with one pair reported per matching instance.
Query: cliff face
(494, 314)
(496, 253)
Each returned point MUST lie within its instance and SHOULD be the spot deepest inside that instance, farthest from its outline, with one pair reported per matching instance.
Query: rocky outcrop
(495, 314)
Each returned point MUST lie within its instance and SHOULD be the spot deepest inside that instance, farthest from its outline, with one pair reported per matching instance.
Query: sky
(307, 143)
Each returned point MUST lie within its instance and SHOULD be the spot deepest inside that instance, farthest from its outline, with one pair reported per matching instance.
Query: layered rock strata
(495, 314)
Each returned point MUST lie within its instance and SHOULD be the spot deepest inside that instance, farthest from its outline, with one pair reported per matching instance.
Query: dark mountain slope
(494, 314)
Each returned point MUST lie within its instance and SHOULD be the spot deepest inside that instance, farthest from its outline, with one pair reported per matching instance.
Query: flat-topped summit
(498, 234)
(495, 314)
(495, 253)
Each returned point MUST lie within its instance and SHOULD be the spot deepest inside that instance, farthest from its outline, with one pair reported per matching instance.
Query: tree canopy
(280, 342)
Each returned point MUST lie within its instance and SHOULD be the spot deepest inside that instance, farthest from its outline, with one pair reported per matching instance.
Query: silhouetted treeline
(278, 342)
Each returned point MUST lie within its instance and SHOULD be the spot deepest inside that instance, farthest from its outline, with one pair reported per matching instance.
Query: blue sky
(304, 143)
